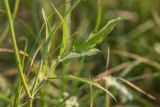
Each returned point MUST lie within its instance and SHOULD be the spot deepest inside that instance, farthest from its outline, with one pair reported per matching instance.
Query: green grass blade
(48, 27)
(129, 68)
(64, 37)
(84, 80)
(72, 7)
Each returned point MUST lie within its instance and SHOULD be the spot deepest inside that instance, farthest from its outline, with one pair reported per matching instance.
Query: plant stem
(16, 49)
(91, 94)
(30, 102)
(17, 93)
(4, 34)
(37, 75)
(106, 84)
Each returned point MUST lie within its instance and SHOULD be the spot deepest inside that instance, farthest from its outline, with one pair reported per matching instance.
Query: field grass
(79, 53)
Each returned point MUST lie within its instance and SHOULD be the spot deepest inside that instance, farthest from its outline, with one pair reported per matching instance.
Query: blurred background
(134, 45)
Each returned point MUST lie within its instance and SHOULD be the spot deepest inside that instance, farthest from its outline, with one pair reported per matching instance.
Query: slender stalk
(18, 92)
(16, 49)
(91, 94)
(35, 83)
(107, 97)
(30, 102)
(36, 79)
(106, 84)
(4, 34)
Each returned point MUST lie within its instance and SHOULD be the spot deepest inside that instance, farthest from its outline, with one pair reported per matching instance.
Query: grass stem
(4, 34)
(16, 49)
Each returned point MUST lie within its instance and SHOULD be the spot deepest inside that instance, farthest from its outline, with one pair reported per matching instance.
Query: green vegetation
(79, 53)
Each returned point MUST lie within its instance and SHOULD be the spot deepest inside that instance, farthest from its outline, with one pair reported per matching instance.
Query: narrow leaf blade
(84, 80)
(64, 37)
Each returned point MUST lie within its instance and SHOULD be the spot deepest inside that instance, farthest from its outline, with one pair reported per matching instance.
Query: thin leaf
(45, 50)
(64, 31)
(73, 55)
(48, 27)
(129, 68)
(97, 37)
(84, 80)
(76, 2)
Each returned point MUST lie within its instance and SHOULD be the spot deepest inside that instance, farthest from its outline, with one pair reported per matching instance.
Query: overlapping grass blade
(63, 45)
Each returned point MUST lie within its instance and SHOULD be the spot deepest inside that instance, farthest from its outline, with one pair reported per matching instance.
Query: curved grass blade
(64, 37)
(48, 28)
(84, 80)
